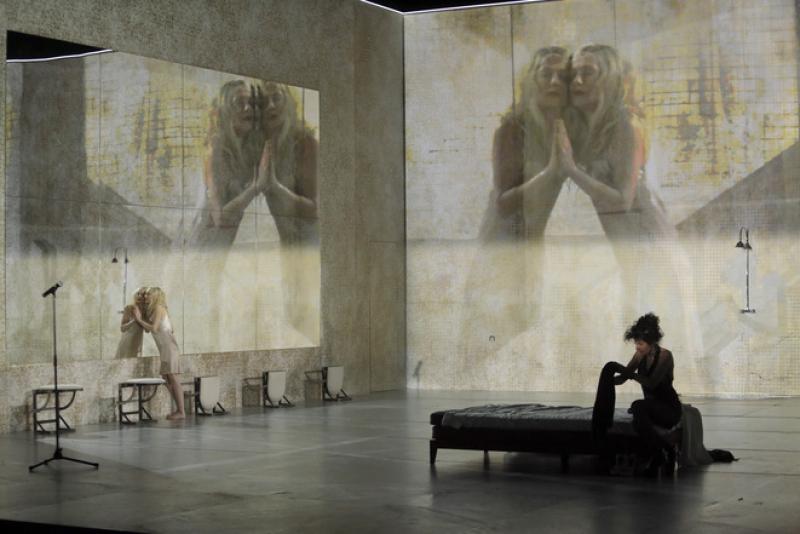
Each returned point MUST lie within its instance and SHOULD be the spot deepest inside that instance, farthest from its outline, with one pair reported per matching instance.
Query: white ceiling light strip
(69, 56)
(455, 8)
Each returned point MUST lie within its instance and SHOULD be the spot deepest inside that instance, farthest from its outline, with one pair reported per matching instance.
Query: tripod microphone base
(58, 455)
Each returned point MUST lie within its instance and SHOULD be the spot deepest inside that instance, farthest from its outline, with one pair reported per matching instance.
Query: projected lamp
(125, 276)
(747, 248)
(332, 382)
(273, 390)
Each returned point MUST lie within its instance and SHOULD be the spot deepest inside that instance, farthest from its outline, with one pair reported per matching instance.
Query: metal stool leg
(119, 403)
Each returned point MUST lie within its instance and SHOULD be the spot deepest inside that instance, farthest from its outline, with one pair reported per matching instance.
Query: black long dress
(660, 407)
(664, 406)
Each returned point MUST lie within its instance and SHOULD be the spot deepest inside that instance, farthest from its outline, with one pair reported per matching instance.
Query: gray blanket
(533, 417)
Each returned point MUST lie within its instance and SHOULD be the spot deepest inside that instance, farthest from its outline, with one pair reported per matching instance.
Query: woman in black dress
(652, 366)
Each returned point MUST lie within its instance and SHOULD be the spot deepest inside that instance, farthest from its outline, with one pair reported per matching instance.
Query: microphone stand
(57, 454)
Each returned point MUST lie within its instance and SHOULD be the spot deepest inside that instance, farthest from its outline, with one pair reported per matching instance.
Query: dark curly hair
(645, 328)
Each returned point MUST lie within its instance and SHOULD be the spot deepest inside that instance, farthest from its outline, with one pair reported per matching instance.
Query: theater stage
(362, 466)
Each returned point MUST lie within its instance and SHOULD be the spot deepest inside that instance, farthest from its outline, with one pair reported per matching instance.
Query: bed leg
(433, 449)
(669, 467)
(565, 463)
(485, 458)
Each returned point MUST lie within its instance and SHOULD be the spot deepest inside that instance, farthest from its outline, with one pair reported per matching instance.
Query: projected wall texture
(207, 182)
(572, 165)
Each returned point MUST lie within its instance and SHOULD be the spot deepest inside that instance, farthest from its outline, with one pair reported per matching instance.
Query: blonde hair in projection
(593, 138)
(222, 119)
(537, 142)
(284, 141)
(157, 298)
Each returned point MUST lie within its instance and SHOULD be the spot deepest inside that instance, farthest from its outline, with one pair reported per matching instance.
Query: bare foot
(176, 416)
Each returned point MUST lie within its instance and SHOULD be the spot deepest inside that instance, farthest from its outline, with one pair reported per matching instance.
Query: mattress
(529, 417)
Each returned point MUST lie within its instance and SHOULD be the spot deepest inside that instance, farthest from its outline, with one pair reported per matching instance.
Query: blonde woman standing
(160, 327)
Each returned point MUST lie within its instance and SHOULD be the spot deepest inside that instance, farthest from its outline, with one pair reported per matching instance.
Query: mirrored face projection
(557, 190)
(199, 182)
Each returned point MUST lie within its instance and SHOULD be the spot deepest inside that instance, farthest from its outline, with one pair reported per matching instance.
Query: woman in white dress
(159, 325)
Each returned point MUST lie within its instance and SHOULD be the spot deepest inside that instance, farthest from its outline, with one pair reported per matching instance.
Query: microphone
(53, 289)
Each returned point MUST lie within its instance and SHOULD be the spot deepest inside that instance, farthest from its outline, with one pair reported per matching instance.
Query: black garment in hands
(606, 397)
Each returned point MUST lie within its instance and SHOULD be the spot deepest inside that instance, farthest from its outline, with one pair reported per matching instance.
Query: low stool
(140, 393)
(41, 402)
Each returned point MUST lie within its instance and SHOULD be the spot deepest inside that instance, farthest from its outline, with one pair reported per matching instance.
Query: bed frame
(561, 443)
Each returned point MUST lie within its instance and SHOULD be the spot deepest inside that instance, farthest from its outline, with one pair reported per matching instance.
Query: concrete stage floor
(362, 466)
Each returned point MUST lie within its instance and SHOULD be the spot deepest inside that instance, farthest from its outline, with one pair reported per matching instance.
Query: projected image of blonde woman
(288, 168)
(504, 282)
(603, 149)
